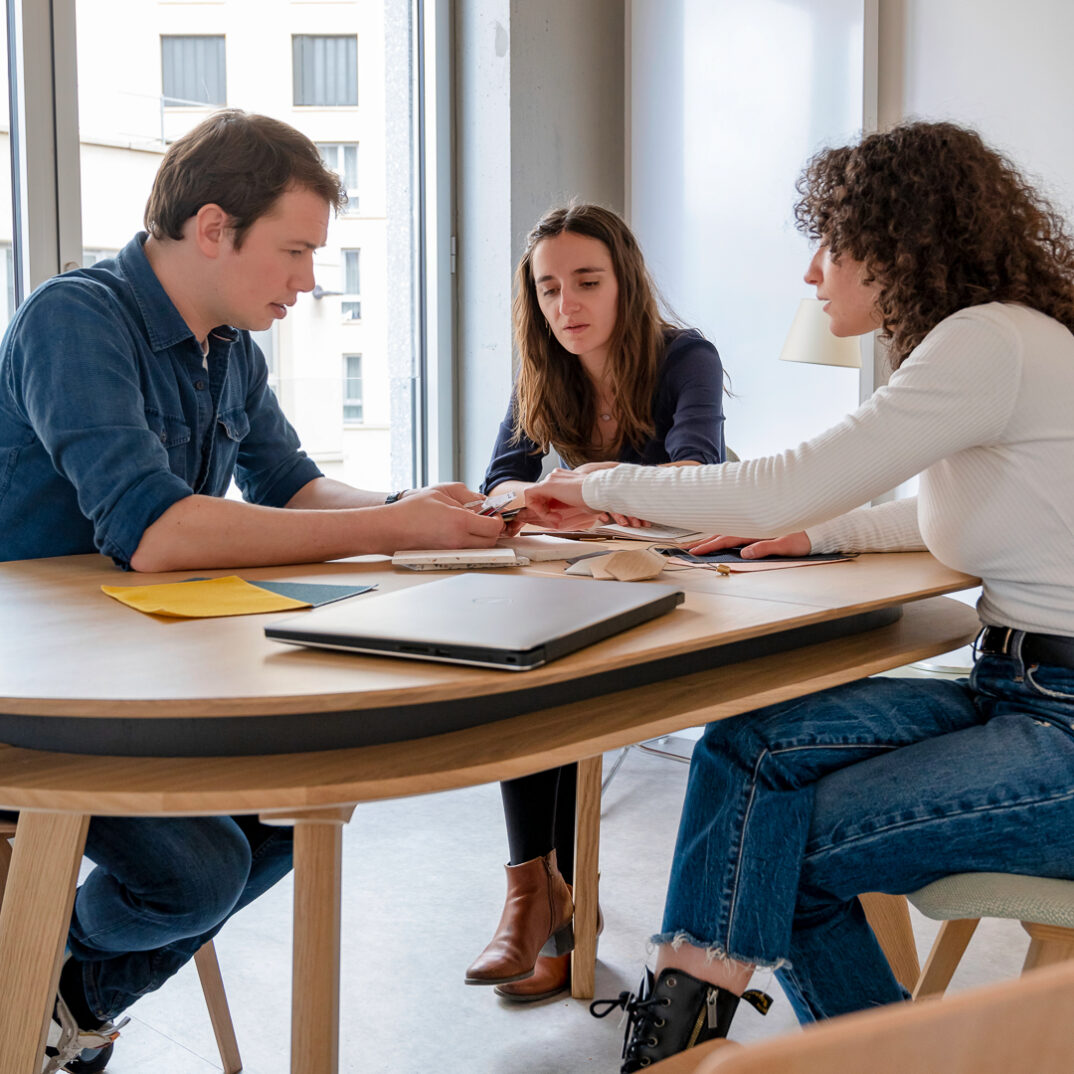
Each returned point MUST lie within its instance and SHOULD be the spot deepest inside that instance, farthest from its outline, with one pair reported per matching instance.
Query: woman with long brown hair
(602, 375)
(887, 784)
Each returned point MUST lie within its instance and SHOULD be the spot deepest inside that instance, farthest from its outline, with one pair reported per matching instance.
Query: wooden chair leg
(1048, 944)
(944, 957)
(586, 871)
(889, 918)
(212, 985)
(5, 857)
(33, 924)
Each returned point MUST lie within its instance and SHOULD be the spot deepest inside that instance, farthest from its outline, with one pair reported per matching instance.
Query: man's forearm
(206, 532)
(327, 494)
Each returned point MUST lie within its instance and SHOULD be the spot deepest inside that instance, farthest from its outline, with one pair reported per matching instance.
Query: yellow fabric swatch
(203, 599)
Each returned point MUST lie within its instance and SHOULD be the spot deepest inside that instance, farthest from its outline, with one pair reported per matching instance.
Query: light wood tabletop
(74, 657)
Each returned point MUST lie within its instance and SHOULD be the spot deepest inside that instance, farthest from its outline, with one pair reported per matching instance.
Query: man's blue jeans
(881, 785)
(163, 887)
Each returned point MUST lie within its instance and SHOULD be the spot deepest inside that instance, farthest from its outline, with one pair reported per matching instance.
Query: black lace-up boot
(672, 1013)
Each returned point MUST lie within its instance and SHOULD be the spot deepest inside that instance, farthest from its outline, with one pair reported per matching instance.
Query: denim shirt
(108, 415)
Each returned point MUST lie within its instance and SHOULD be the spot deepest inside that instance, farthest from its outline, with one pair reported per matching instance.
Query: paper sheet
(202, 599)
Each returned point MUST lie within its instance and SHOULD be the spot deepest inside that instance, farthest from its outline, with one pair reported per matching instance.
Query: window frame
(350, 302)
(353, 191)
(168, 100)
(348, 399)
(295, 76)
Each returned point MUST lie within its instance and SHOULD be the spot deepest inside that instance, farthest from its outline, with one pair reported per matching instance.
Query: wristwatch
(395, 497)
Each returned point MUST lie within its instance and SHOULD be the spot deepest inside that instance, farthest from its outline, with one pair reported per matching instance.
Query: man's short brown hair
(241, 162)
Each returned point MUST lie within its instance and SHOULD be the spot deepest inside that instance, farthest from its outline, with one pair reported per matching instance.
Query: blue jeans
(881, 785)
(162, 888)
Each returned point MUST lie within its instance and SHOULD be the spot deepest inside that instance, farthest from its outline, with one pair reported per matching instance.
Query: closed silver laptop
(509, 622)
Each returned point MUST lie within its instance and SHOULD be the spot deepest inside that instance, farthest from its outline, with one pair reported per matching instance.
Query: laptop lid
(510, 622)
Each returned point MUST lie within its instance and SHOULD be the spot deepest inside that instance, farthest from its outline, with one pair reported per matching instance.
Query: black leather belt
(1055, 649)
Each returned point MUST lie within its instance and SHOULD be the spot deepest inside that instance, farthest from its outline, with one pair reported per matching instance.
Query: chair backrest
(1021, 1025)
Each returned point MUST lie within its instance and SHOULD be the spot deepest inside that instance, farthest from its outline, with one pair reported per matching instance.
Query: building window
(352, 388)
(193, 70)
(351, 305)
(342, 158)
(325, 70)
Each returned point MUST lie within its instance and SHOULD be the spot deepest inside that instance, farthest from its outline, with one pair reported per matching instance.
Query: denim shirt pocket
(174, 435)
(172, 432)
(236, 424)
(232, 427)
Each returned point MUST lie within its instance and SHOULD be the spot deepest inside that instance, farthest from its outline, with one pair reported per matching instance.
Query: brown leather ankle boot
(536, 919)
(551, 975)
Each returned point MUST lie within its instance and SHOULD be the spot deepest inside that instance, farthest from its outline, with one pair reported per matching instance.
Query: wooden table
(73, 658)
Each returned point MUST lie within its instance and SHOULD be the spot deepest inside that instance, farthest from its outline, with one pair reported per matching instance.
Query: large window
(359, 423)
(193, 70)
(325, 70)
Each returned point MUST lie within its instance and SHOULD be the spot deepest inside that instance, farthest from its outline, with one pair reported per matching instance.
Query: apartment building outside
(150, 70)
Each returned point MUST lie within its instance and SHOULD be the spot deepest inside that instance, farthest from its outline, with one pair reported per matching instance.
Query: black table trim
(234, 736)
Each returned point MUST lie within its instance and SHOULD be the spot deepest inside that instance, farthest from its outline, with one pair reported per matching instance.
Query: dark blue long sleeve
(687, 417)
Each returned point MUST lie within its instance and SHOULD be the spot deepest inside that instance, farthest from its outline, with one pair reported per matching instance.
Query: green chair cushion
(1042, 900)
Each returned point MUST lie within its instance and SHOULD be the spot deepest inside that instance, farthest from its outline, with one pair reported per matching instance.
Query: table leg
(315, 957)
(33, 930)
(889, 918)
(586, 871)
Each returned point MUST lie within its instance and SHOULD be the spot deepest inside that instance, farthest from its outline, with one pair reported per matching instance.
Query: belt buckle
(1000, 649)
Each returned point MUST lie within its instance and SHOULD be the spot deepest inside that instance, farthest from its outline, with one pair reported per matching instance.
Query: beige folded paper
(628, 565)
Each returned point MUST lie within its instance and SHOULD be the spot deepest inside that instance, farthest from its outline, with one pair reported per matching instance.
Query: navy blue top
(687, 415)
(108, 415)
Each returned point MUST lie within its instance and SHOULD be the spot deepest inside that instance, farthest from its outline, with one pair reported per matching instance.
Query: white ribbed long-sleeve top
(983, 410)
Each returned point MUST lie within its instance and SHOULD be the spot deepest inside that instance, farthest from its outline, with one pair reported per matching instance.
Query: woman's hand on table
(793, 544)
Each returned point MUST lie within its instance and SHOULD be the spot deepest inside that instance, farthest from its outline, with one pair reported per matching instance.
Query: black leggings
(539, 811)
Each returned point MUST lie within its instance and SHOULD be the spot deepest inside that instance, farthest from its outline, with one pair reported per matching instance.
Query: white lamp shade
(810, 339)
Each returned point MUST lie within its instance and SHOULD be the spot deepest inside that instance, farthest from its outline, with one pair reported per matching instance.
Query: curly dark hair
(941, 221)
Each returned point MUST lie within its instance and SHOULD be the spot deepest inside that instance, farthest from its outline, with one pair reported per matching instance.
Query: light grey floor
(423, 886)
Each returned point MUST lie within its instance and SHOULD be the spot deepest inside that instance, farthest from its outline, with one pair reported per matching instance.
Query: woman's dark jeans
(886, 784)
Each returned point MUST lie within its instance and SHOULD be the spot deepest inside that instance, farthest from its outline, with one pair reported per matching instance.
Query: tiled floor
(422, 891)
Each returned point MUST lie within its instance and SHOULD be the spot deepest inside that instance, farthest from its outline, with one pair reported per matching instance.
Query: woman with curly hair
(602, 375)
(886, 784)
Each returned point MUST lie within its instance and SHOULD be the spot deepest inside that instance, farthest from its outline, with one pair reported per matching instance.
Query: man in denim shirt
(130, 394)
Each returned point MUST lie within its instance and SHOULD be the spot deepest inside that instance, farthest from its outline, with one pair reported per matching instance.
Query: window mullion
(45, 161)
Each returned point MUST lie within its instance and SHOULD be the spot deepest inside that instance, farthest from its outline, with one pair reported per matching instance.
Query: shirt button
(164, 437)
(200, 385)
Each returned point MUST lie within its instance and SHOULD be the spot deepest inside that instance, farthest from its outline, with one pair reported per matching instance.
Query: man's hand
(454, 492)
(437, 518)
(793, 544)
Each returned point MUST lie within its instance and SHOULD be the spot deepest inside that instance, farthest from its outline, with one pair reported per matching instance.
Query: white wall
(539, 119)
(1003, 68)
(727, 101)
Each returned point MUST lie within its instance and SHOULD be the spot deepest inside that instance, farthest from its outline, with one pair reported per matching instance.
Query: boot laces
(642, 1017)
